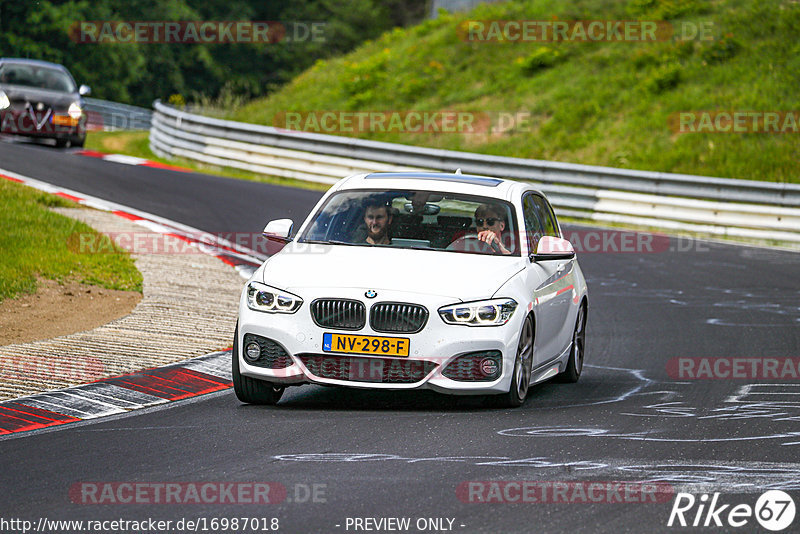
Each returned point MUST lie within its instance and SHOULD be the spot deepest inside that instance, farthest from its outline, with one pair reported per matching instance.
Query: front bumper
(432, 349)
(52, 125)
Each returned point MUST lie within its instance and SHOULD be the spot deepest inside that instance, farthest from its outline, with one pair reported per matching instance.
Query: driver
(378, 219)
(490, 223)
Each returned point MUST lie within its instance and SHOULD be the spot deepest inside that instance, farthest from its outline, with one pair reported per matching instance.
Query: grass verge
(37, 242)
(600, 103)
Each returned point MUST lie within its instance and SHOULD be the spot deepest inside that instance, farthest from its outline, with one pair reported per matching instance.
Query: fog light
(481, 366)
(489, 367)
(252, 351)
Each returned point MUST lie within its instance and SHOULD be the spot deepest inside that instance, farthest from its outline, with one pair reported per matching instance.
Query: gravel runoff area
(188, 309)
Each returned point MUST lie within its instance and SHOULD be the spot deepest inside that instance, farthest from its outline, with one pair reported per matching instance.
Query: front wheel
(575, 363)
(521, 379)
(251, 390)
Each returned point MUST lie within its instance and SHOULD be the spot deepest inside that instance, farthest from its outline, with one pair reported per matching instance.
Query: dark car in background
(39, 99)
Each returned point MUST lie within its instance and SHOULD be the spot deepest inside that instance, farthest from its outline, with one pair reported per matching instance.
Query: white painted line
(218, 371)
(154, 226)
(50, 404)
(112, 392)
(121, 158)
(118, 402)
(153, 222)
(80, 402)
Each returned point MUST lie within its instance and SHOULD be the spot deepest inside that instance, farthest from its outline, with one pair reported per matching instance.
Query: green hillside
(603, 103)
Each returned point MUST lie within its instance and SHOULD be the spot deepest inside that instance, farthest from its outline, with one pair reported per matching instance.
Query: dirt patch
(57, 310)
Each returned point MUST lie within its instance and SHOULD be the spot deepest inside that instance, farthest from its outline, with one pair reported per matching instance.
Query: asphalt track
(382, 455)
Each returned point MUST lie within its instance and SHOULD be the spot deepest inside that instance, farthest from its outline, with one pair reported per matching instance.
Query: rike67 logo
(774, 510)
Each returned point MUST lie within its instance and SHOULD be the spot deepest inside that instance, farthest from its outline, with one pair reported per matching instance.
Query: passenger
(378, 219)
(490, 223)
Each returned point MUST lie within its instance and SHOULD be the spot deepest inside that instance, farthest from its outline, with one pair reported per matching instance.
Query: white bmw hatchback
(460, 284)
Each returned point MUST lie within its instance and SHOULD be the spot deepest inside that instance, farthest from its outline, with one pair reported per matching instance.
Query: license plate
(64, 120)
(374, 345)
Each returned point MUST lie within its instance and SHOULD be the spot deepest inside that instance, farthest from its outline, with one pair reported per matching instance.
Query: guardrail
(717, 206)
(112, 116)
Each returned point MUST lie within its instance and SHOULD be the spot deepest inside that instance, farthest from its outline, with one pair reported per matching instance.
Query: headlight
(493, 312)
(4, 102)
(75, 111)
(263, 298)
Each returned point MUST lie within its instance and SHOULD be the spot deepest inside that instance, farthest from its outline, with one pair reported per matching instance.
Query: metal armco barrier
(112, 116)
(718, 206)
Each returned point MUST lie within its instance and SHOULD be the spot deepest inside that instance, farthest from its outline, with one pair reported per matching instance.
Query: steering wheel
(471, 243)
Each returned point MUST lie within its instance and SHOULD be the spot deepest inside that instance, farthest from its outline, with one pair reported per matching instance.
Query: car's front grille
(272, 355)
(484, 366)
(358, 369)
(344, 314)
(397, 317)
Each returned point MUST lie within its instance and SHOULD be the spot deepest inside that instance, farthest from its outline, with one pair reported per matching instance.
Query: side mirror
(279, 230)
(84, 90)
(553, 248)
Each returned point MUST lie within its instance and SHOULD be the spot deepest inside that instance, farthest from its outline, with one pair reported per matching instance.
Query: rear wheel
(251, 390)
(575, 363)
(521, 379)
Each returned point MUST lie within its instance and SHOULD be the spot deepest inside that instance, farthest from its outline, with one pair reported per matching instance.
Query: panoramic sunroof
(440, 177)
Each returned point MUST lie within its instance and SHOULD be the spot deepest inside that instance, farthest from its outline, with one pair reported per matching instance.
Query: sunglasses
(489, 221)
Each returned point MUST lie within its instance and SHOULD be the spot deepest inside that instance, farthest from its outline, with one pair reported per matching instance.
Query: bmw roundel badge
(371, 294)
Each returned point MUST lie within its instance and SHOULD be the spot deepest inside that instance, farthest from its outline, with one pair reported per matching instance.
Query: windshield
(36, 76)
(416, 219)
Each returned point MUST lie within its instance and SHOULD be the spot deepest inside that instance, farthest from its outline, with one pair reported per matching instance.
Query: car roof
(436, 181)
(35, 62)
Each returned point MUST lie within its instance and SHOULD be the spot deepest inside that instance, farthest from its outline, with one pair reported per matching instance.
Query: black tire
(78, 142)
(574, 367)
(62, 143)
(521, 379)
(251, 390)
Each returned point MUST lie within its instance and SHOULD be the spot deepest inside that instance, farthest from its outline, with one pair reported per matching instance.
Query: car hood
(18, 93)
(458, 276)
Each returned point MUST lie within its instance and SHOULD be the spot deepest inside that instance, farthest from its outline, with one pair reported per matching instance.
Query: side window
(546, 215)
(534, 228)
